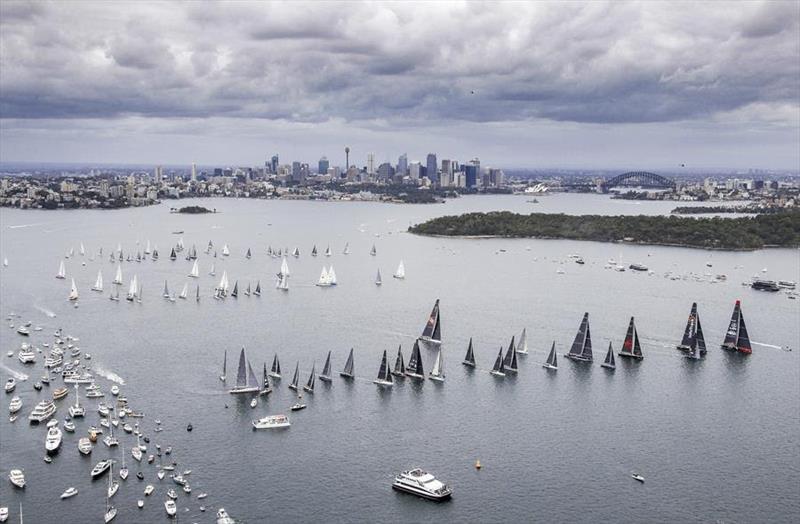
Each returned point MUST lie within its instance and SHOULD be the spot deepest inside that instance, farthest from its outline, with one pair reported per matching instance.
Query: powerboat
(148, 490)
(636, 476)
(298, 407)
(85, 445)
(53, 440)
(60, 393)
(423, 484)
(224, 518)
(43, 411)
(272, 422)
(15, 405)
(70, 492)
(170, 507)
(10, 385)
(100, 468)
(17, 477)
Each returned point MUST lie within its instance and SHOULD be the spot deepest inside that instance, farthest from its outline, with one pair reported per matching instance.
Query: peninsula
(773, 230)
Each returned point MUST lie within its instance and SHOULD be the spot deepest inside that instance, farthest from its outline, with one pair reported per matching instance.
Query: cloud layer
(402, 64)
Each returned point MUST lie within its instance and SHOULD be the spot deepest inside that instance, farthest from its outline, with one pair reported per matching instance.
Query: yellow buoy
(477, 464)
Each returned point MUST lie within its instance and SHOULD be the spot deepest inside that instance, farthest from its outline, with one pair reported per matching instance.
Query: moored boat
(423, 484)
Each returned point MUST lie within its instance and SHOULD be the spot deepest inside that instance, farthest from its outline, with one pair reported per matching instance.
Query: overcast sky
(605, 85)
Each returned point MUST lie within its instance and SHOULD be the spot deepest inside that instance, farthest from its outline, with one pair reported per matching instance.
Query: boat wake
(16, 374)
(109, 375)
(764, 344)
(46, 311)
(19, 226)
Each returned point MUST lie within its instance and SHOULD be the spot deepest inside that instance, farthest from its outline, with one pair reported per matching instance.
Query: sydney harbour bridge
(629, 180)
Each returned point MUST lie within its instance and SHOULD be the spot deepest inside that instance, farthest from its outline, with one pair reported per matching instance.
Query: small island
(745, 233)
(193, 210)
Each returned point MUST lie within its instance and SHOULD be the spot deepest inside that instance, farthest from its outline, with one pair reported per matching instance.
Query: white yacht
(422, 484)
(17, 477)
(171, 508)
(272, 422)
(100, 468)
(10, 385)
(224, 518)
(43, 411)
(15, 405)
(26, 354)
(69, 492)
(85, 445)
(53, 440)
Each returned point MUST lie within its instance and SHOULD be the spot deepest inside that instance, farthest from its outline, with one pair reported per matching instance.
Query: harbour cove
(554, 446)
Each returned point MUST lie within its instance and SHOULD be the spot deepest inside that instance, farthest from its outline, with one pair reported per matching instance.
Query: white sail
(284, 267)
(401, 271)
(437, 373)
(283, 283)
(225, 250)
(331, 276)
(147, 249)
(5, 262)
(522, 347)
(118, 276)
(82, 251)
(62, 270)
(212, 272)
(132, 289)
(323, 278)
(73, 293)
(98, 284)
(184, 291)
(378, 279)
(195, 270)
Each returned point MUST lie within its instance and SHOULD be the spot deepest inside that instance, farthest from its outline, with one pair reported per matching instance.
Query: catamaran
(552, 358)
(275, 370)
(224, 375)
(62, 271)
(399, 364)
(609, 363)
(469, 359)
(195, 272)
(311, 379)
(522, 347)
(401, 271)
(378, 279)
(73, 292)
(432, 333)
(510, 361)
(693, 340)
(384, 374)
(437, 373)
(98, 284)
(631, 347)
(414, 368)
(246, 381)
(347, 372)
(296, 378)
(736, 338)
(118, 277)
(581, 349)
(498, 370)
(326, 369)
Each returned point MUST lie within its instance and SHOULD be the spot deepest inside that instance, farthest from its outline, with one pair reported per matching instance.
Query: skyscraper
(194, 172)
(370, 164)
(414, 170)
(274, 165)
(322, 167)
(296, 175)
(431, 168)
(402, 165)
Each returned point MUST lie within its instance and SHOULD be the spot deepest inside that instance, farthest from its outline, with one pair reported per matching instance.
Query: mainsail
(399, 363)
(62, 271)
(73, 293)
(433, 328)
(609, 363)
(522, 347)
(631, 347)
(510, 362)
(241, 373)
(414, 368)
(98, 284)
(347, 372)
(326, 369)
(195, 272)
(581, 349)
(469, 359)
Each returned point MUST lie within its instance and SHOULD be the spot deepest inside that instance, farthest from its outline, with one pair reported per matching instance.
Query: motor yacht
(43, 411)
(53, 440)
(17, 477)
(171, 508)
(60, 393)
(15, 405)
(421, 483)
(69, 492)
(85, 445)
(11, 384)
(272, 422)
(100, 468)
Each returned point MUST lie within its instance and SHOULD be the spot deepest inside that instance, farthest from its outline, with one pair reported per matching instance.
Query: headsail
(631, 347)
(414, 368)
(347, 372)
(581, 349)
(469, 359)
(510, 362)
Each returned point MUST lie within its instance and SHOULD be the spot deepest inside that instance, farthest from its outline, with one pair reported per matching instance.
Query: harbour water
(716, 440)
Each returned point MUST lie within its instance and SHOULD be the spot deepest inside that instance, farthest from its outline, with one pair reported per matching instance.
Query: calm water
(717, 440)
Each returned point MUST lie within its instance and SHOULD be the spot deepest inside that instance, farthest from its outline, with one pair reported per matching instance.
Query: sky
(640, 85)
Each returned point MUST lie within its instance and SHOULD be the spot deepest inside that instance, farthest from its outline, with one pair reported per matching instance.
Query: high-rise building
(323, 165)
(370, 164)
(296, 175)
(385, 171)
(472, 171)
(446, 178)
(194, 172)
(431, 168)
(274, 165)
(402, 165)
(414, 170)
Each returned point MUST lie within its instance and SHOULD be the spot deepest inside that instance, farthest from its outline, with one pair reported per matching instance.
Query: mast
(510, 362)
(469, 359)
(296, 377)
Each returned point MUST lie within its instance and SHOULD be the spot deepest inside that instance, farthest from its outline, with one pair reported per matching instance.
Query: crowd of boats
(64, 361)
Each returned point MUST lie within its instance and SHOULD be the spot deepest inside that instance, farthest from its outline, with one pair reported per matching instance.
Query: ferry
(272, 422)
(423, 484)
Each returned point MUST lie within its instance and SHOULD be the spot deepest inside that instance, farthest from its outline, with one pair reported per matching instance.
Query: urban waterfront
(717, 440)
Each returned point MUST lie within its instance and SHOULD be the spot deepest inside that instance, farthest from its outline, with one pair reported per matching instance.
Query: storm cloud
(402, 64)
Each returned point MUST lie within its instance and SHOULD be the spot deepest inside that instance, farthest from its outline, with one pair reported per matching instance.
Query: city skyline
(594, 85)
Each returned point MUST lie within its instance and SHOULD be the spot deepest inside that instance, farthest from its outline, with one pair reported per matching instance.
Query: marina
(176, 367)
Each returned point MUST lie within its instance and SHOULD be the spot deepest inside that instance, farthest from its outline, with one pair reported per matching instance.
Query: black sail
(733, 329)
(432, 329)
(383, 371)
(469, 359)
(552, 357)
(415, 362)
(241, 373)
(688, 333)
(399, 364)
(743, 340)
(348, 365)
(576, 349)
(498, 363)
(510, 361)
(700, 341)
(326, 370)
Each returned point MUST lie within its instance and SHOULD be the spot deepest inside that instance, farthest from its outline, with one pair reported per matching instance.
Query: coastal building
(323, 165)
(370, 164)
(431, 168)
(402, 165)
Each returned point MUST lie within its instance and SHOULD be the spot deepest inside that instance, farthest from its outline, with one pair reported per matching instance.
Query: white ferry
(422, 484)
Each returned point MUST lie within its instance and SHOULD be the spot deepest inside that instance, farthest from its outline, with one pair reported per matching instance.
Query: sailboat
(284, 267)
(609, 363)
(373, 251)
(257, 291)
(581, 349)
(522, 347)
(326, 369)
(235, 292)
(111, 511)
(62, 271)
(328, 251)
(246, 381)
(384, 375)
(73, 292)
(469, 358)
(346, 248)
(275, 371)
(631, 347)
(414, 368)
(266, 389)
(437, 373)
(432, 333)
(147, 249)
(173, 255)
(247, 291)
(552, 358)
(184, 291)
(81, 250)
(693, 340)
(248, 254)
(378, 279)
(212, 272)
(510, 361)
(332, 276)
(224, 375)
(296, 252)
(114, 295)
(324, 280)
(197, 295)
(314, 251)
(123, 472)
(139, 293)
(225, 251)
(399, 364)
(283, 283)
(118, 277)
(347, 372)
(98, 284)
(498, 370)
(311, 379)
(195, 272)
(296, 378)
(166, 290)
(401, 271)
(736, 338)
